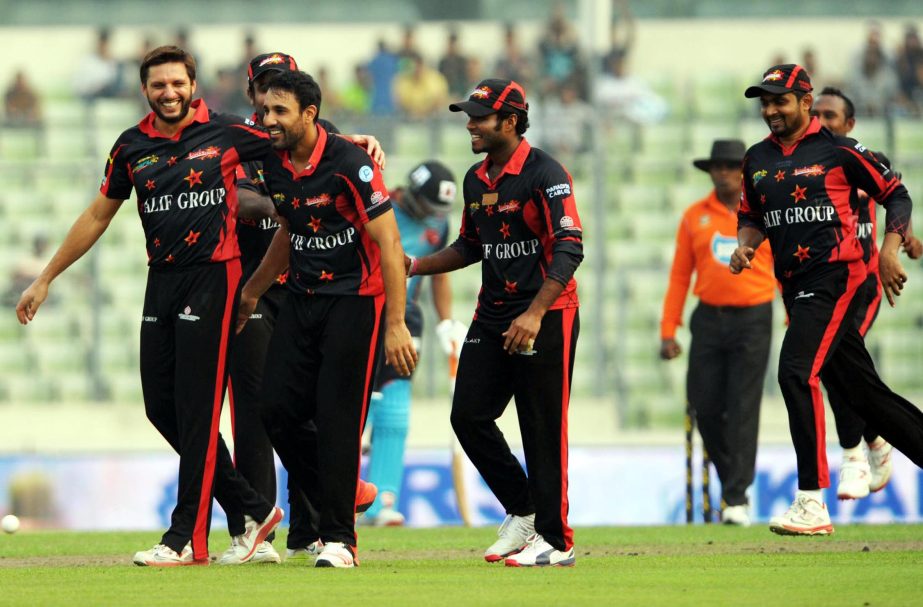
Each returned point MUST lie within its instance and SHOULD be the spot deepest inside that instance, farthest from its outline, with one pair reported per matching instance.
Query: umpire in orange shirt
(724, 382)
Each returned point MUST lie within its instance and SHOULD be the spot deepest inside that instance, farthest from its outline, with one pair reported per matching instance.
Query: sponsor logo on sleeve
(562, 189)
(366, 173)
(376, 198)
(567, 222)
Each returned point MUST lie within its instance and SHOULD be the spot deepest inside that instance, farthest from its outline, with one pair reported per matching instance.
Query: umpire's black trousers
(724, 385)
(540, 384)
(319, 369)
(823, 341)
(186, 333)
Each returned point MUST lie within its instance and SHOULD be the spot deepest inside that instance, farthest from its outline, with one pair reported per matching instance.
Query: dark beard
(184, 110)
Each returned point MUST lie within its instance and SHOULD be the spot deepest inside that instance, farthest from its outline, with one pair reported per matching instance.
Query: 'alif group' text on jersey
(185, 184)
(326, 206)
(523, 227)
(803, 198)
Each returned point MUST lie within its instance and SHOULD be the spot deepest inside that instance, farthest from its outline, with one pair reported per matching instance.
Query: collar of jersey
(147, 124)
(813, 128)
(313, 161)
(513, 165)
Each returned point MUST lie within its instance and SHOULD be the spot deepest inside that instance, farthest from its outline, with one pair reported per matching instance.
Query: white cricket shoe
(881, 465)
(539, 553)
(265, 553)
(302, 554)
(336, 554)
(513, 533)
(736, 515)
(806, 516)
(164, 556)
(244, 546)
(855, 477)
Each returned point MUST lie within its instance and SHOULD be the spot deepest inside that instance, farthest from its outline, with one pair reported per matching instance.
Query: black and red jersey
(327, 206)
(253, 235)
(186, 184)
(803, 198)
(523, 227)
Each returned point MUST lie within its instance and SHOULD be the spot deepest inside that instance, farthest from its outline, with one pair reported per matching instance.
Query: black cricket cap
(492, 95)
(270, 62)
(781, 79)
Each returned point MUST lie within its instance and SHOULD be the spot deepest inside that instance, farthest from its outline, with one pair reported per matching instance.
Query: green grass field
(714, 565)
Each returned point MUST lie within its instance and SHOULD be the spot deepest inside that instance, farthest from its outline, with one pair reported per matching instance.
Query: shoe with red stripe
(513, 534)
(806, 516)
(539, 553)
(244, 546)
(337, 554)
(880, 463)
(164, 556)
(855, 478)
(365, 496)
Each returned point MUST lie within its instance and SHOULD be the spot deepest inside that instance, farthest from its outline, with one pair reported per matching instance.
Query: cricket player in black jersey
(253, 453)
(339, 239)
(181, 161)
(520, 222)
(799, 188)
(859, 474)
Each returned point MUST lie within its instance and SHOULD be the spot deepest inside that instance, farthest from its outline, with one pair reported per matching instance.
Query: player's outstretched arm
(87, 229)
(399, 350)
(275, 261)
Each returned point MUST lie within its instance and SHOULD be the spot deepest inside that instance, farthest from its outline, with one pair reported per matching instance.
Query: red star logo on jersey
(489, 210)
(780, 175)
(193, 177)
(282, 278)
(170, 258)
(156, 242)
(315, 223)
(802, 253)
(192, 238)
(171, 161)
(150, 184)
(800, 193)
(505, 229)
(297, 203)
(325, 275)
(510, 287)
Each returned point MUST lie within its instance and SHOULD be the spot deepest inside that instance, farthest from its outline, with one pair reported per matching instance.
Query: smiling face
(284, 119)
(831, 111)
(786, 115)
(490, 134)
(169, 91)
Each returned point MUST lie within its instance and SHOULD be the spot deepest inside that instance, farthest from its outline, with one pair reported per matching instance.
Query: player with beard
(181, 161)
(339, 240)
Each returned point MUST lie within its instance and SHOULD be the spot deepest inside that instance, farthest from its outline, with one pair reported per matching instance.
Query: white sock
(855, 453)
(815, 494)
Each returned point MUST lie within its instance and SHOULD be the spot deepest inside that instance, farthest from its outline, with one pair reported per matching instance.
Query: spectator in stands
(621, 35)
(21, 104)
(874, 85)
(724, 382)
(99, 74)
(224, 95)
(408, 51)
(420, 91)
(568, 120)
(356, 98)
(454, 67)
(383, 68)
(560, 54)
(625, 96)
(909, 65)
(513, 63)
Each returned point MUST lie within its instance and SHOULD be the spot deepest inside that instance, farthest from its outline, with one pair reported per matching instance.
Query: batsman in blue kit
(420, 208)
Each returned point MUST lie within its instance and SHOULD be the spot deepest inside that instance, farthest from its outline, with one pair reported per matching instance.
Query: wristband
(412, 269)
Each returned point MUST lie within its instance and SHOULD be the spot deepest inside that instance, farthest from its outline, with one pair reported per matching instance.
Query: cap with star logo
(781, 79)
(492, 95)
(270, 62)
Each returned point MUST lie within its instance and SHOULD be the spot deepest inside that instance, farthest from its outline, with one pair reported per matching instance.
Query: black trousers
(488, 377)
(823, 341)
(850, 427)
(186, 334)
(319, 370)
(724, 385)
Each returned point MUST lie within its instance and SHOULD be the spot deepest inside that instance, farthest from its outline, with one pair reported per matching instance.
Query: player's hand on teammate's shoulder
(30, 300)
